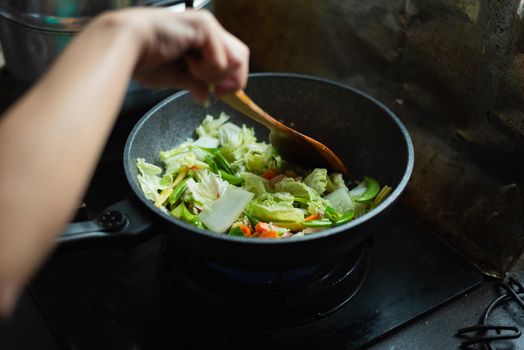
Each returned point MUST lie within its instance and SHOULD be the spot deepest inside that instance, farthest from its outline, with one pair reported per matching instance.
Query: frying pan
(367, 136)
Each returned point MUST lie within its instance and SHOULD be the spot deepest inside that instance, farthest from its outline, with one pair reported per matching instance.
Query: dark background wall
(453, 70)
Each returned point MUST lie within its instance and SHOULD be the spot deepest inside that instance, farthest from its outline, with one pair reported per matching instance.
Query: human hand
(189, 50)
(71, 111)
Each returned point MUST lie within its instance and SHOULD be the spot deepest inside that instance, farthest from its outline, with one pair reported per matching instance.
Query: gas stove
(132, 292)
(129, 293)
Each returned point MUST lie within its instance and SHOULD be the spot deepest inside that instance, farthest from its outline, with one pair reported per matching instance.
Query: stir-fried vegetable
(225, 211)
(228, 182)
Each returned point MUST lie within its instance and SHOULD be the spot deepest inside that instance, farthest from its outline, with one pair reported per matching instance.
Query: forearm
(51, 140)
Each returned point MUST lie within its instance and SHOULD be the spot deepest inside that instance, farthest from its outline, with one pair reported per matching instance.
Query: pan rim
(319, 235)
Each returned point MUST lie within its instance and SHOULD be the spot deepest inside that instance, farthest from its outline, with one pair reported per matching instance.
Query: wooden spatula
(291, 144)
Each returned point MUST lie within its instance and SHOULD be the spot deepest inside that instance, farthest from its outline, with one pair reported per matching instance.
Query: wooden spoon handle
(242, 103)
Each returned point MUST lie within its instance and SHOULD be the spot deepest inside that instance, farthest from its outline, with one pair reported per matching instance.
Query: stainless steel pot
(33, 33)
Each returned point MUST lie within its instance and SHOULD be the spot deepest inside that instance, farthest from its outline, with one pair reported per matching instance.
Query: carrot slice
(269, 174)
(312, 217)
(245, 230)
(269, 234)
(262, 227)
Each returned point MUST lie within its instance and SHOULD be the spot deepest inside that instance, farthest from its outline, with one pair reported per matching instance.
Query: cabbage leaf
(317, 180)
(150, 181)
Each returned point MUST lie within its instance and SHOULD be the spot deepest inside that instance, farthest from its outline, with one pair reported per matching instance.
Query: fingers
(173, 76)
(210, 54)
(223, 59)
(198, 89)
(238, 55)
(208, 60)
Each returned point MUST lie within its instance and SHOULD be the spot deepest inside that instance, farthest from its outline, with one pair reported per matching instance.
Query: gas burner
(267, 299)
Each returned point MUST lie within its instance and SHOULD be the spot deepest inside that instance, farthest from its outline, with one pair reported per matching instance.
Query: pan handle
(122, 219)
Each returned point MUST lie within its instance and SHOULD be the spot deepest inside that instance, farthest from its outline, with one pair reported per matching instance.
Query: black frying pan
(368, 137)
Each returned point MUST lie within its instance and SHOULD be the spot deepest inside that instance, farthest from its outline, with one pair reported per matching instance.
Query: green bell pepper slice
(178, 191)
(345, 218)
(373, 187)
(232, 179)
(318, 223)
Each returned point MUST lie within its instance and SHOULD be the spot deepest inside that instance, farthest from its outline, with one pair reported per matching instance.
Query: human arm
(50, 140)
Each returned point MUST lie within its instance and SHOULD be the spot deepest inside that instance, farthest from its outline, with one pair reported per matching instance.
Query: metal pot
(34, 33)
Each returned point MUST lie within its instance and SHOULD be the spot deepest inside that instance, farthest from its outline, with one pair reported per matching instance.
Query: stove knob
(112, 221)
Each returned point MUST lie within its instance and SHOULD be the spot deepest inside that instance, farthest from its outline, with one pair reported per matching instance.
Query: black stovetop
(110, 294)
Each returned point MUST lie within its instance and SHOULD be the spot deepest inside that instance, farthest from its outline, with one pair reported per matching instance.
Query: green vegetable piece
(218, 159)
(254, 183)
(300, 190)
(340, 200)
(187, 216)
(335, 181)
(178, 191)
(301, 200)
(345, 218)
(181, 212)
(231, 140)
(252, 220)
(166, 181)
(236, 231)
(384, 192)
(205, 188)
(222, 162)
(232, 179)
(200, 225)
(187, 159)
(177, 212)
(255, 162)
(212, 164)
(318, 223)
(296, 188)
(332, 214)
(373, 187)
(149, 179)
(273, 207)
(210, 126)
(317, 180)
